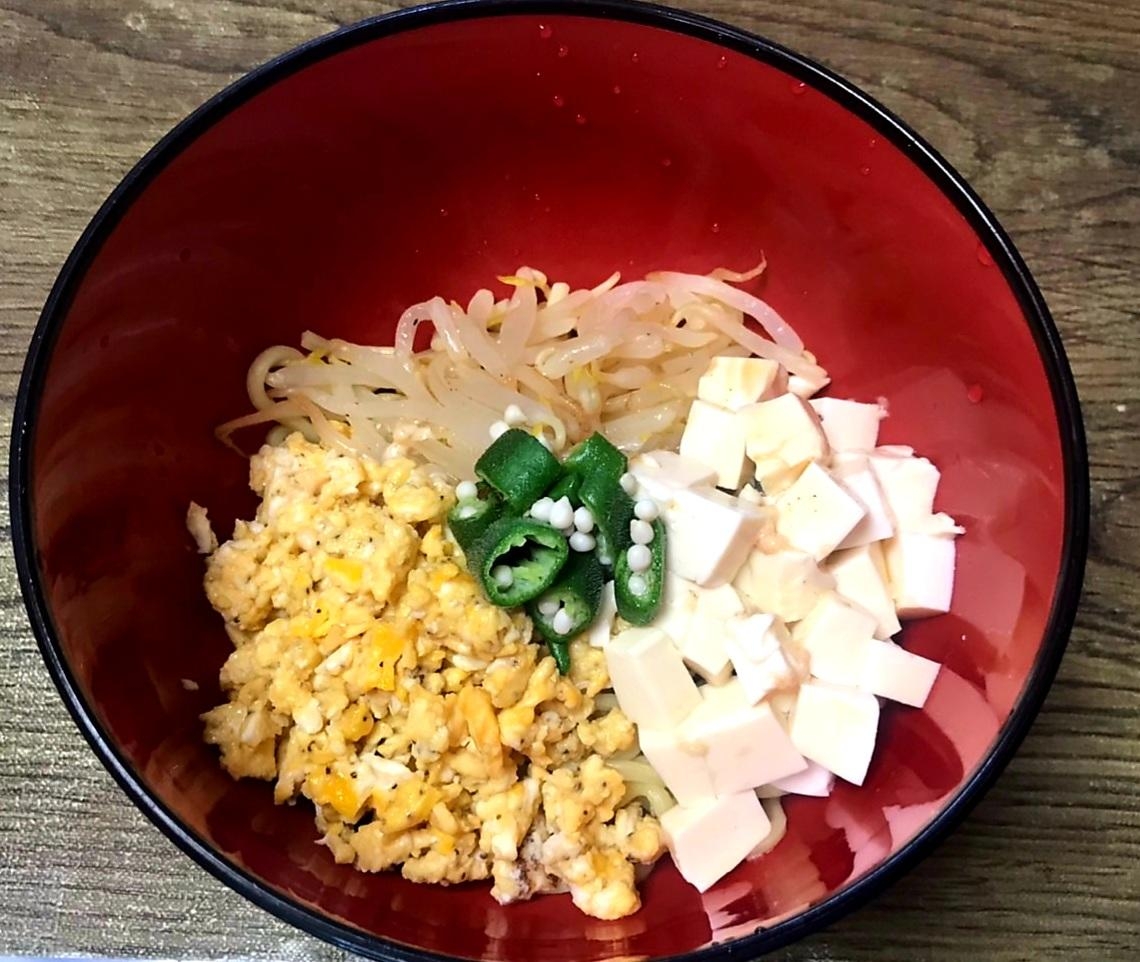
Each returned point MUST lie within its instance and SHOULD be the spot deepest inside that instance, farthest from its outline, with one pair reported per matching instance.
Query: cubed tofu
(921, 572)
(909, 484)
(853, 472)
(861, 578)
(705, 651)
(649, 678)
(836, 727)
(783, 703)
(733, 382)
(751, 495)
(848, 425)
(659, 473)
(836, 636)
(709, 534)
(781, 437)
(598, 634)
(683, 770)
(758, 646)
(805, 387)
(713, 436)
(704, 644)
(710, 838)
(678, 606)
(744, 745)
(787, 584)
(815, 780)
(900, 675)
(816, 513)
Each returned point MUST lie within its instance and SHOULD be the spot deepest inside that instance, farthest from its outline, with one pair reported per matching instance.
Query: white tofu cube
(895, 673)
(781, 436)
(678, 606)
(805, 387)
(836, 637)
(815, 780)
(652, 685)
(853, 472)
(787, 584)
(783, 703)
(816, 513)
(909, 484)
(836, 728)
(848, 425)
(860, 578)
(704, 644)
(599, 633)
(659, 473)
(705, 651)
(921, 572)
(757, 645)
(751, 495)
(713, 436)
(683, 771)
(709, 839)
(744, 745)
(732, 382)
(709, 534)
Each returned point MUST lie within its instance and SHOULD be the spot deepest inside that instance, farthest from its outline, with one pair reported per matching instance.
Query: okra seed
(639, 558)
(580, 541)
(641, 532)
(562, 622)
(584, 520)
(540, 510)
(562, 514)
(646, 510)
(502, 576)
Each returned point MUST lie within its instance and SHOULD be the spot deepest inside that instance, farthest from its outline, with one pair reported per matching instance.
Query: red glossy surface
(407, 167)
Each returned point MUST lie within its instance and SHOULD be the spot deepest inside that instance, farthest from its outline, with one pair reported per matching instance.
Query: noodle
(641, 781)
(623, 359)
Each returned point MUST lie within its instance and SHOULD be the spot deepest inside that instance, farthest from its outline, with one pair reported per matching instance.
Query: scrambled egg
(371, 677)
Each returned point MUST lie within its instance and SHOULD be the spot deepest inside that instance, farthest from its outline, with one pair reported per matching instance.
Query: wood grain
(1037, 103)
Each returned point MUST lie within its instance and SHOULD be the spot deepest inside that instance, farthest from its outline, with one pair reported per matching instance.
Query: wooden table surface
(1037, 103)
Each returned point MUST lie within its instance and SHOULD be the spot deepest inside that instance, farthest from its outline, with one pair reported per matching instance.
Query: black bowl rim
(952, 185)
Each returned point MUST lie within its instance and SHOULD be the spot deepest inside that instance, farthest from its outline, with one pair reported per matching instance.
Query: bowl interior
(406, 165)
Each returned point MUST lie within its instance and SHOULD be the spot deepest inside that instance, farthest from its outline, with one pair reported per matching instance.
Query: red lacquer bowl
(426, 152)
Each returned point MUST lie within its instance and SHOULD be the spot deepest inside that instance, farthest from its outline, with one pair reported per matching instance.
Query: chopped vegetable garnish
(596, 457)
(532, 554)
(639, 592)
(612, 509)
(567, 487)
(569, 606)
(472, 516)
(519, 468)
